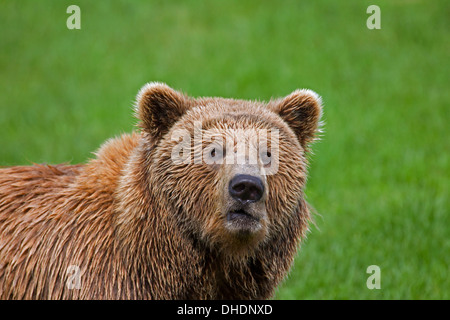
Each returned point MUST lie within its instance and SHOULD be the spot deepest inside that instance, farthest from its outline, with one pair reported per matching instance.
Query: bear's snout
(246, 188)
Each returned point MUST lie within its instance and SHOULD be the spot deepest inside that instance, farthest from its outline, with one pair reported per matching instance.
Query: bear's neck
(158, 259)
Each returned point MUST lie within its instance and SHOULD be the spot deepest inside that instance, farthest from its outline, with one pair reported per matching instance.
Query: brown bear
(150, 218)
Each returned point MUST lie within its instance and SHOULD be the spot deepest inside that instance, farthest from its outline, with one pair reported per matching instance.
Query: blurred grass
(380, 176)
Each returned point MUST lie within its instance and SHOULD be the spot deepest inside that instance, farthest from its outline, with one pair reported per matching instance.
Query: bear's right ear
(158, 107)
(301, 110)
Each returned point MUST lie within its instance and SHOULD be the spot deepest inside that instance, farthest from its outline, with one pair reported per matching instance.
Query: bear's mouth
(243, 223)
(241, 215)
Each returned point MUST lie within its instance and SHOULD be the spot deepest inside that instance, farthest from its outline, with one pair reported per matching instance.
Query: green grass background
(379, 178)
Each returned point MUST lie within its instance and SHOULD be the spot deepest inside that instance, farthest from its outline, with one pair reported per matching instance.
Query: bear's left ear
(158, 107)
(301, 110)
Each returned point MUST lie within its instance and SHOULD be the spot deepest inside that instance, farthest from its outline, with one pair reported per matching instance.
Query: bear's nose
(246, 188)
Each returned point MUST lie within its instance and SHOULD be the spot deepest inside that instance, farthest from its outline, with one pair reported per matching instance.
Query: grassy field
(380, 176)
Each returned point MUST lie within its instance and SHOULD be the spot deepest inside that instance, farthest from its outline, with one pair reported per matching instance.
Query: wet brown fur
(140, 227)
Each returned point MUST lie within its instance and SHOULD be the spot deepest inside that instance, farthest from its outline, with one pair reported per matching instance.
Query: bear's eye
(265, 156)
(214, 154)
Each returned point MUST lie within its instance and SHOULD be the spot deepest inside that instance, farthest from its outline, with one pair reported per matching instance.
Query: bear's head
(231, 172)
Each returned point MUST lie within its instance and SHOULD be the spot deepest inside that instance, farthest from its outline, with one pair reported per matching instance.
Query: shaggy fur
(140, 226)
